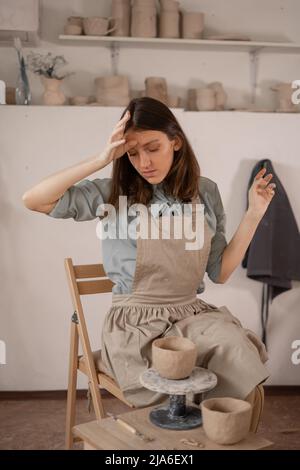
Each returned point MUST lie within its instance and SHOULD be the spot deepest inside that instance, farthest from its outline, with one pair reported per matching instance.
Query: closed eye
(150, 150)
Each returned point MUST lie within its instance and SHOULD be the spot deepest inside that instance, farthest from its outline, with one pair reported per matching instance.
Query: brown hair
(182, 181)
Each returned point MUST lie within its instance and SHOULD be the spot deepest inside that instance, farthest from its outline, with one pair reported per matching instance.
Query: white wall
(37, 141)
(183, 68)
(35, 301)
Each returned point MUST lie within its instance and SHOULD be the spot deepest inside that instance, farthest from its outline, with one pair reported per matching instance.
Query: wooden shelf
(253, 48)
(247, 46)
(120, 108)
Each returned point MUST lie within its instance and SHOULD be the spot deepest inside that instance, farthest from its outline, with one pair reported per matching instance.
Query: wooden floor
(36, 420)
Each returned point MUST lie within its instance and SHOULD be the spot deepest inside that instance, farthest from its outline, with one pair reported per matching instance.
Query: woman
(157, 280)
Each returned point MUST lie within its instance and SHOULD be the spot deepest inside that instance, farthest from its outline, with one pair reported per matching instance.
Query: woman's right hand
(117, 145)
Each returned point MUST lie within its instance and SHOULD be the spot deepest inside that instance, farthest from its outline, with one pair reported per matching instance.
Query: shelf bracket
(114, 57)
(253, 56)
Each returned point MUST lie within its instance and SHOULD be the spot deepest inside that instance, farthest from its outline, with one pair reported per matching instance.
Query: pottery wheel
(178, 415)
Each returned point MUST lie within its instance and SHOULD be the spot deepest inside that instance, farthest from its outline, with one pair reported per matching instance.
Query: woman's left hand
(261, 193)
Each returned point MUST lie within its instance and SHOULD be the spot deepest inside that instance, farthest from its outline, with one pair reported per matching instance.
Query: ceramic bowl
(79, 100)
(226, 420)
(174, 357)
(73, 29)
(77, 20)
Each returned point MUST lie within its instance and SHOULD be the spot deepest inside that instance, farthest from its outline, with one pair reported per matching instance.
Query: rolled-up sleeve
(218, 241)
(81, 201)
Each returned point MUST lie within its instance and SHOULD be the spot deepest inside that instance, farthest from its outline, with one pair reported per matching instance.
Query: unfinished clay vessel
(284, 96)
(206, 100)
(75, 20)
(174, 357)
(73, 29)
(169, 24)
(156, 87)
(174, 101)
(143, 19)
(226, 420)
(191, 99)
(220, 95)
(52, 95)
(112, 90)
(121, 11)
(98, 25)
(192, 24)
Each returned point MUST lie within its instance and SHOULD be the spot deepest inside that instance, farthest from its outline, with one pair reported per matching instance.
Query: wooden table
(107, 434)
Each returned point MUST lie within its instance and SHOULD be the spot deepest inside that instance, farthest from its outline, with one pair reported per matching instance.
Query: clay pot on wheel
(174, 357)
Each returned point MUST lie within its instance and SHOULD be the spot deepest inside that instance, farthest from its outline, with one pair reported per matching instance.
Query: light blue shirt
(81, 202)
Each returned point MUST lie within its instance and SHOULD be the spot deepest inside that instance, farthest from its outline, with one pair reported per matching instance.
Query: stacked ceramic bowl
(121, 11)
(112, 90)
(143, 19)
(169, 19)
(74, 25)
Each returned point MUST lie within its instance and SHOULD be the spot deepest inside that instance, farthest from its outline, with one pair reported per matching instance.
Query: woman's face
(152, 157)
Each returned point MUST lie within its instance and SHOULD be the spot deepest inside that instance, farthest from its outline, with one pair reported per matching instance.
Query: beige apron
(164, 302)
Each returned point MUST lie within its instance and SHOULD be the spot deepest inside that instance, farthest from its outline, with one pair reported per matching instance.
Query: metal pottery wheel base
(177, 416)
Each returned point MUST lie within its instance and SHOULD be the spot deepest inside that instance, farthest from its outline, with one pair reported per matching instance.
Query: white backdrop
(35, 301)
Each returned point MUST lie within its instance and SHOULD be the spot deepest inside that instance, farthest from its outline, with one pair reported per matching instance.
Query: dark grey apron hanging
(273, 256)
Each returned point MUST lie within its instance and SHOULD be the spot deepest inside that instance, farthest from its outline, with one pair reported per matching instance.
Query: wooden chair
(86, 363)
(97, 283)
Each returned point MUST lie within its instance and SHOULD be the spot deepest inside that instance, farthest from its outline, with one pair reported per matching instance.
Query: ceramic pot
(169, 5)
(220, 95)
(75, 20)
(284, 96)
(174, 357)
(206, 100)
(73, 29)
(121, 11)
(192, 25)
(192, 99)
(112, 90)
(97, 26)
(79, 100)
(174, 101)
(226, 420)
(144, 21)
(156, 87)
(144, 4)
(52, 95)
(169, 24)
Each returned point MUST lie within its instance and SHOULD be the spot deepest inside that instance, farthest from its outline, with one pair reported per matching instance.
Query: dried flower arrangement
(47, 65)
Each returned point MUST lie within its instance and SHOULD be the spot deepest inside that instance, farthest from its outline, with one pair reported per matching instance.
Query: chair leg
(72, 385)
(96, 399)
(256, 399)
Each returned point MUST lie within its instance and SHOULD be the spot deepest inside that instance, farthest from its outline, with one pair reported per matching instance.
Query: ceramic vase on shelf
(144, 19)
(52, 95)
(121, 11)
(157, 88)
(206, 100)
(220, 95)
(22, 91)
(192, 24)
(169, 19)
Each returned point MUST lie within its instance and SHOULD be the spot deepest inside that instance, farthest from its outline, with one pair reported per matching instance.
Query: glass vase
(23, 94)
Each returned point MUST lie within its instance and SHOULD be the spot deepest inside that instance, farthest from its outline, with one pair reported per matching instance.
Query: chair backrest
(76, 274)
(80, 287)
